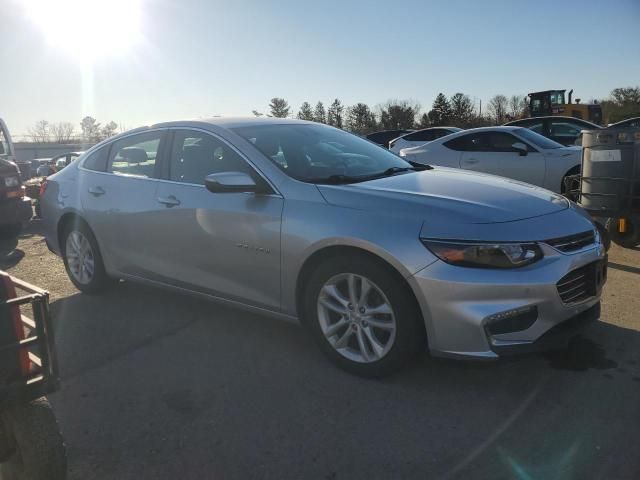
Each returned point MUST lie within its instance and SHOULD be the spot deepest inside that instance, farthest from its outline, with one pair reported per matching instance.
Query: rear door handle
(169, 201)
(96, 191)
(470, 161)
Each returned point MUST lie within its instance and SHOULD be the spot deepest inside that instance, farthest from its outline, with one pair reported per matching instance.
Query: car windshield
(538, 140)
(321, 154)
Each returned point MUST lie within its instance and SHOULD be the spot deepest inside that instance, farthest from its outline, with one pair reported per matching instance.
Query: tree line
(459, 110)
(91, 131)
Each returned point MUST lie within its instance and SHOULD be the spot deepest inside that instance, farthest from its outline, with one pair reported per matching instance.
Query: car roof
(234, 122)
(551, 117)
(626, 120)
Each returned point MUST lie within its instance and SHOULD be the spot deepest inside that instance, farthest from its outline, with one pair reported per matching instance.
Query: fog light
(510, 321)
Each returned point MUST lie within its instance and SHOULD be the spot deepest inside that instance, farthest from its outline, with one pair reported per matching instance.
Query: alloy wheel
(80, 257)
(356, 318)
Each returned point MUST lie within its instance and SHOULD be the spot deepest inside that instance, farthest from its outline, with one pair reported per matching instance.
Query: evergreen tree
(360, 119)
(334, 114)
(319, 114)
(440, 113)
(305, 112)
(279, 107)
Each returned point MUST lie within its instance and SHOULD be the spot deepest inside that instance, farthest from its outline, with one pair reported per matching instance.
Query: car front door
(224, 244)
(118, 193)
(476, 154)
(512, 163)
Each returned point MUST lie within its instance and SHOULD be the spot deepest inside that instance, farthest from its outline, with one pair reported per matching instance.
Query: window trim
(159, 154)
(108, 144)
(164, 171)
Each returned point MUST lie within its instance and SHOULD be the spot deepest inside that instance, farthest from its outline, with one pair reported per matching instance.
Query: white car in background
(512, 152)
(415, 139)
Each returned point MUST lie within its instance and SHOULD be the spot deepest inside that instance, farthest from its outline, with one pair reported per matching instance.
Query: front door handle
(169, 201)
(97, 191)
(470, 161)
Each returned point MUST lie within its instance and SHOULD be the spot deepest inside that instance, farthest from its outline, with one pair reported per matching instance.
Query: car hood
(452, 195)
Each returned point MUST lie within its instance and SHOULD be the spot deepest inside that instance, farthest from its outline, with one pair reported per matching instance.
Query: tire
(605, 236)
(10, 231)
(38, 448)
(78, 264)
(402, 334)
(629, 239)
(573, 186)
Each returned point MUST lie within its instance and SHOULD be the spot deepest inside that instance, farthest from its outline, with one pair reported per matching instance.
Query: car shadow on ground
(624, 268)
(154, 382)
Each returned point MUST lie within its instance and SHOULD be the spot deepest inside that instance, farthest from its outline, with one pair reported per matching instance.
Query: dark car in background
(629, 122)
(564, 130)
(383, 137)
(15, 207)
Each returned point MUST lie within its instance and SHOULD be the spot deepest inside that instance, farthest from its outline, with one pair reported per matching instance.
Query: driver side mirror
(230, 182)
(521, 148)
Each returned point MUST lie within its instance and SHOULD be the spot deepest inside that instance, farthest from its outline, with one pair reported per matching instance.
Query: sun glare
(88, 30)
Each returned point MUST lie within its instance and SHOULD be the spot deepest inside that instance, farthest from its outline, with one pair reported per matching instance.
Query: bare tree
(62, 132)
(497, 109)
(517, 106)
(40, 132)
(109, 130)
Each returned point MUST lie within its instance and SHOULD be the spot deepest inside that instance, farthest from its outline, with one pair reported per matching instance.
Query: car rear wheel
(83, 261)
(362, 317)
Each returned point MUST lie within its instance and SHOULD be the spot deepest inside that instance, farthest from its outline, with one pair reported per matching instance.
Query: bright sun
(88, 30)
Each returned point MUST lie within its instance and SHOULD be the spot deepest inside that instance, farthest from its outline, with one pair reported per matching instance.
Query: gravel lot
(159, 385)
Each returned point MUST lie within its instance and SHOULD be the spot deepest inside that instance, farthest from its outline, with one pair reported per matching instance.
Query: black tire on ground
(37, 445)
(605, 236)
(629, 239)
(410, 334)
(100, 281)
(10, 231)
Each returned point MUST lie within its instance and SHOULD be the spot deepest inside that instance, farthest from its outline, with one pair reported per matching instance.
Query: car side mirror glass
(521, 148)
(230, 182)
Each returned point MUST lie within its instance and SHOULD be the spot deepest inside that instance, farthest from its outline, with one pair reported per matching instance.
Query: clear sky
(193, 58)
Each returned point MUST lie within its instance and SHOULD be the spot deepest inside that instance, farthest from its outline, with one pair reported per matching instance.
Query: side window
(474, 142)
(565, 129)
(439, 133)
(422, 136)
(196, 155)
(135, 155)
(4, 144)
(97, 160)
(537, 127)
(501, 142)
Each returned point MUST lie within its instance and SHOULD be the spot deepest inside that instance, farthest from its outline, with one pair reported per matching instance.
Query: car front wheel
(363, 317)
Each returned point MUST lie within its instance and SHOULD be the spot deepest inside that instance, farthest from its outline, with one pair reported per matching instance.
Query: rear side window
(97, 160)
(136, 155)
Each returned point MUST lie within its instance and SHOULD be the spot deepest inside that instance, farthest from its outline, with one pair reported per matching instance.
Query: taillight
(43, 188)
(14, 313)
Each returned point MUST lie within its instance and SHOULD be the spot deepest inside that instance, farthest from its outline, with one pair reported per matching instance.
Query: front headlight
(485, 255)
(11, 182)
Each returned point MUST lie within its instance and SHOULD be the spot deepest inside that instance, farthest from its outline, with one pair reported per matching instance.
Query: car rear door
(118, 193)
(224, 244)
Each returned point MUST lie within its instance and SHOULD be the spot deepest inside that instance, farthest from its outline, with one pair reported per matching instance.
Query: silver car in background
(377, 257)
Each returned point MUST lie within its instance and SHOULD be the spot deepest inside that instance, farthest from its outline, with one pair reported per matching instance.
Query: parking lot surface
(162, 386)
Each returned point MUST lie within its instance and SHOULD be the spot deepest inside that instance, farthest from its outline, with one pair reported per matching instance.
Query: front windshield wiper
(342, 179)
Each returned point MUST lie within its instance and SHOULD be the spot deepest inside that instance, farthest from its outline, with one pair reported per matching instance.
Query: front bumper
(458, 303)
(13, 211)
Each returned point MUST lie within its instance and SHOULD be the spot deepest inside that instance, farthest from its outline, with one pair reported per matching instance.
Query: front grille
(582, 283)
(572, 243)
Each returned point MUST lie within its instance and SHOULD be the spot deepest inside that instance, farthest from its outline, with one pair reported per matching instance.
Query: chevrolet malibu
(379, 258)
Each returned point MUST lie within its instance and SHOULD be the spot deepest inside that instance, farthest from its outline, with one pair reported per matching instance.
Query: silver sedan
(379, 258)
